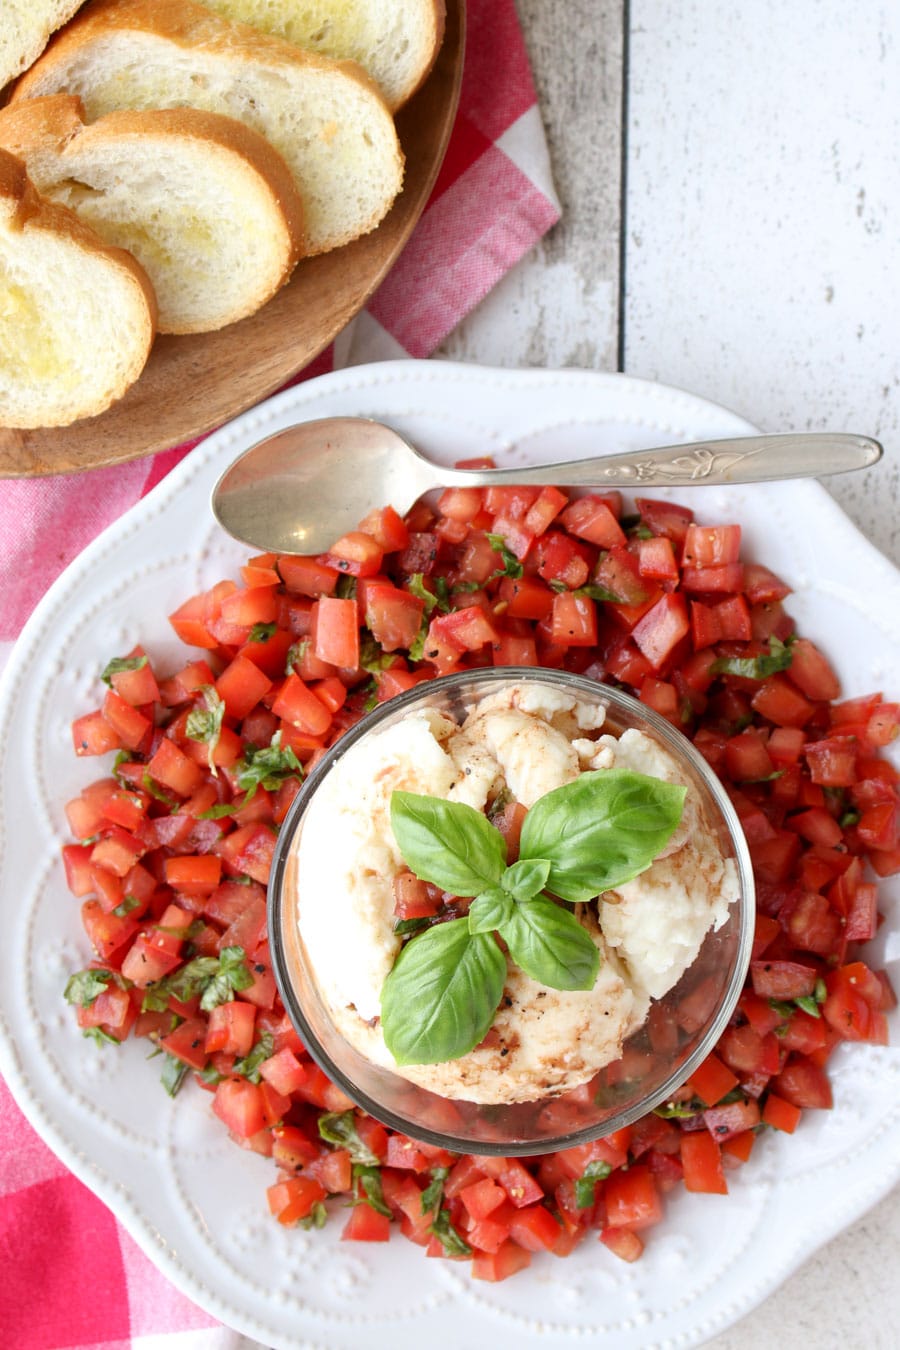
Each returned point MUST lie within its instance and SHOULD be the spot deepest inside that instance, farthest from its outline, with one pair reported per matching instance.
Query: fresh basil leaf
(526, 878)
(157, 792)
(339, 1128)
(677, 1111)
(231, 976)
(433, 1194)
(261, 632)
(449, 1238)
(371, 655)
(267, 767)
(248, 1065)
(778, 657)
(439, 1000)
(214, 979)
(85, 986)
(490, 910)
(295, 654)
(403, 927)
(593, 592)
(317, 1216)
(447, 843)
(120, 663)
(511, 565)
(417, 646)
(368, 1180)
(436, 599)
(128, 903)
(820, 993)
(210, 1075)
(346, 588)
(586, 1185)
(173, 1074)
(809, 1005)
(219, 811)
(601, 830)
(100, 1036)
(550, 945)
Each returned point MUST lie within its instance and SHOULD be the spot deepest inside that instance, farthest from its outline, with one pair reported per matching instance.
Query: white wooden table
(730, 179)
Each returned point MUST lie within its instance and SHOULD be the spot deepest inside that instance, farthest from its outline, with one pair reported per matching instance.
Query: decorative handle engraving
(699, 464)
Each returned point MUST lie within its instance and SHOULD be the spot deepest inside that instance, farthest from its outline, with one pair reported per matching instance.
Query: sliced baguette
(25, 28)
(77, 317)
(206, 205)
(396, 41)
(326, 118)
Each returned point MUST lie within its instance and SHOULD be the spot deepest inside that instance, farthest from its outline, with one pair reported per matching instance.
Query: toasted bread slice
(25, 28)
(396, 41)
(206, 205)
(77, 317)
(325, 117)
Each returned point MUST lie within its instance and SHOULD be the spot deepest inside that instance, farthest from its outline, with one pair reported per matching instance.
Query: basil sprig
(578, 841)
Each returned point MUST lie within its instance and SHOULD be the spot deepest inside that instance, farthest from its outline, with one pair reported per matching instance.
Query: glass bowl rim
(676, 743)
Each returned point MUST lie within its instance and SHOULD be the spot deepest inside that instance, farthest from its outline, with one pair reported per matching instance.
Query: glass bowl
(656, 1059)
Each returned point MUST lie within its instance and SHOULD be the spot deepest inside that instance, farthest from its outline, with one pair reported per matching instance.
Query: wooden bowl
(192, 384)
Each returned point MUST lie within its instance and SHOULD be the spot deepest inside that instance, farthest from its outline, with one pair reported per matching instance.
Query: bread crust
(189, 25)
(59, 119)
(192, 28)
(20, 59)
(23, 209)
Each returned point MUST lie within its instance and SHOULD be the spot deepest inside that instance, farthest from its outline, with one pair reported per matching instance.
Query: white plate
(194, 1202)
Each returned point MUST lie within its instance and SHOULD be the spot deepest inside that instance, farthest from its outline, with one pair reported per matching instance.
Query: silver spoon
(302, 488)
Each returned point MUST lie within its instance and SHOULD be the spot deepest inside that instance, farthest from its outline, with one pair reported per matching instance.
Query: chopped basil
(433, 1193)
(316, 1218)
(367, 1179)
(204, 722)
(778, 657)
(406, 926)
(100, 1036)
(371, 656)
(339, 1128)
(214, 979)
(248, 1066)
(128, 904)
(345, 588)
(210, 1075)
(261, 632)
(849, 818)
(371, 700)
(438, 598)
(267, 767)
(511, 565)
(440, 1226)
(295, 655)
(594, 592)
(676, 1110)
(586, 1185)
(85, 986)
(173, 1074)
(417, 646)
(446, 1234)
(157, 792)
(122, 663)
(809, 1005)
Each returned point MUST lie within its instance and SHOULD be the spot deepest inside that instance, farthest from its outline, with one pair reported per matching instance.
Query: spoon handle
(742, 459)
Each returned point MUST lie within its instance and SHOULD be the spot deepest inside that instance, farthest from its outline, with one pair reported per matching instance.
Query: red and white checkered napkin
(71, 1276)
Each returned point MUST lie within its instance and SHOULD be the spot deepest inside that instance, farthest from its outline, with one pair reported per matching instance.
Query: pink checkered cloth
(71, 1276)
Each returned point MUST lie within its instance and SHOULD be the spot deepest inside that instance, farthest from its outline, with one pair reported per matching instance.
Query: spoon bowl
(302, 488)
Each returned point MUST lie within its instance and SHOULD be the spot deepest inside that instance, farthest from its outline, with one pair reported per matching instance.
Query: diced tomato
(632, 1198)
(293, 1199)
(701, 1158)
(590, 518)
